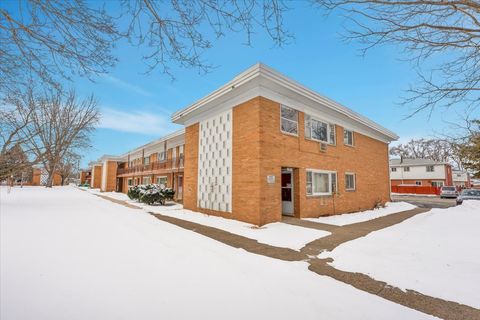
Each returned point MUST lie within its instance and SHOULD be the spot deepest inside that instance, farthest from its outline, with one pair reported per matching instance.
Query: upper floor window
(348, 137)
(320, 183)
(430, 168)
(350, 181)
(406, 169)
(394, 169)
(289, 120)
(162, 155)
(418, 183)
(146, 160)
(319, 130)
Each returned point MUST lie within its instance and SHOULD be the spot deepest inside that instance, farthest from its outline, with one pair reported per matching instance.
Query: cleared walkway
(340, 234)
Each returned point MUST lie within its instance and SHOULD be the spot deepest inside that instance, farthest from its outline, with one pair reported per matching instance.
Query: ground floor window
(161, 180)
(321, 182)
(437, 183)
(147, 180)
(350, 181)
(418, 183)
(130, 182)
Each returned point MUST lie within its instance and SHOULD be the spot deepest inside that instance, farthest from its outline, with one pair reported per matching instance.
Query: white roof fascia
(270, 75)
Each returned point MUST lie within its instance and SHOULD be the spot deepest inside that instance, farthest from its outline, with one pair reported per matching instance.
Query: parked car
(468, 194)
(448, 192)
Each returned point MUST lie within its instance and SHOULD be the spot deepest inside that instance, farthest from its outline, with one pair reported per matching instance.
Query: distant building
(420, 172)
(461, 179)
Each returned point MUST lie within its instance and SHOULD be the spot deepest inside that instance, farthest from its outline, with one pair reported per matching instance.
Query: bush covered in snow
(151, 194)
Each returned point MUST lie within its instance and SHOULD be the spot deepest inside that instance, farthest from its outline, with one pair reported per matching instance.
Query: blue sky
(136, 107)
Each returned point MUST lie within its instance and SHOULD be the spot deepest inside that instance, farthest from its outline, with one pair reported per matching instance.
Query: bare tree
(68, 166)
(62, 123)
(51, 40)
(425, 29)
(15, 131)
(441, 150)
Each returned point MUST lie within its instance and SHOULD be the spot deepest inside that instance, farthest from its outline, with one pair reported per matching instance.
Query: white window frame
(161, 177)
(162, 156)
(330, 190)
(354, 181)
(418, 183)
(149, 178)
(353, 137)
(282, 118)
(406, 169)
(393, 169)
(309, 118)
(438, 184)
(433, 168)
(129, 182)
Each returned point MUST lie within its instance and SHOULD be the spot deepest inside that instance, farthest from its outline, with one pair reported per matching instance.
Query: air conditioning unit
(323, 147)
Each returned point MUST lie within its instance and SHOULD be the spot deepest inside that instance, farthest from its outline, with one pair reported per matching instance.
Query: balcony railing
(175, 163)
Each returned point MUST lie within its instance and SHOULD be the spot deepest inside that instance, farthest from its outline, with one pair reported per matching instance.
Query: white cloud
(126, 85)
(135, 122)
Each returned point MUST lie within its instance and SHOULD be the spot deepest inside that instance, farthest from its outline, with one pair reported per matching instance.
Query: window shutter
(308, 131)
(332, 138)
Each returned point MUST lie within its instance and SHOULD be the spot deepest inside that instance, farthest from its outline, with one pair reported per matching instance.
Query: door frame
(292, 188)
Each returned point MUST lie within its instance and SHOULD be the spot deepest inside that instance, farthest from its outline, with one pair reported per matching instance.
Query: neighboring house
(86, 176)
(461, 178)
(420, 172)
(160, 161)
(263, 146)
(40, 178)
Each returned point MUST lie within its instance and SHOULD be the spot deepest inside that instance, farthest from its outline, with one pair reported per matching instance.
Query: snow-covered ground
(66, 254)
(436, 253)
(275, 234)
(349, 218)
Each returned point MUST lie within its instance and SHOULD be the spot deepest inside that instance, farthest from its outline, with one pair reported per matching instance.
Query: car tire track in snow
(437, 307)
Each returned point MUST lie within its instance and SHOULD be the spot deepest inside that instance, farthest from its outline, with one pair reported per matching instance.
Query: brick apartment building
(260, 147)
(263, 145)
(160, 161)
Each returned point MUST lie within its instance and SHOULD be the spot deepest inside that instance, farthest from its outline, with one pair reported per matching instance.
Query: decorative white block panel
(215, 163)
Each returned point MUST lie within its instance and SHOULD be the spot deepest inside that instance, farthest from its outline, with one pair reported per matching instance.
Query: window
(347, 137)
(162, 155)
(437, 183)
(162, 180)
(146, 160)
(147, 180)
(418, 183)
(394, 169)
(130, 182)
(406, 169)
(430, 168)
(319, 130)
(320, 183)
(350, 181)
(289, 120)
